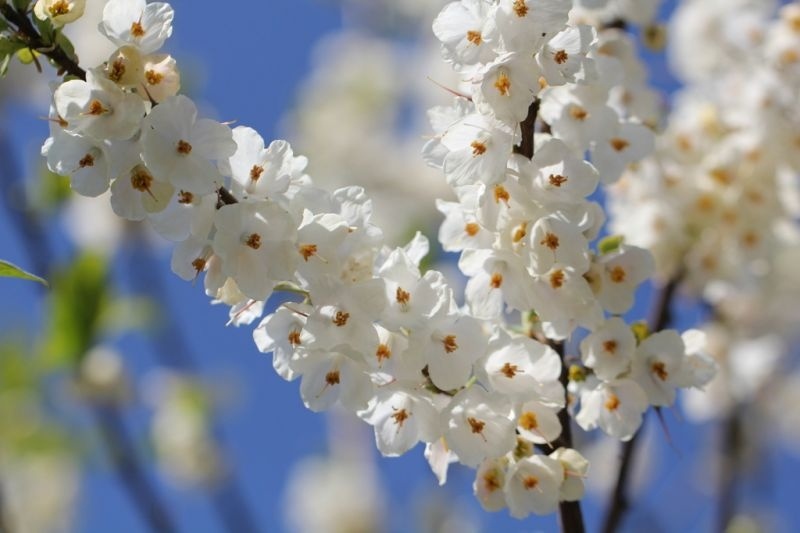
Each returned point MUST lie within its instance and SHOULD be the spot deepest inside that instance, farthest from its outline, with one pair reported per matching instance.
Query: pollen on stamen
(478, 148)
(137, 30)
(474, 37)
(332, 378)
(551, 241)
(185, 197)
(610, 346)
(400, 416)
(509, 370)
(472, 228)
(59, 8)
(142, 180)
(502, 84)
(491, 481)
(153, 77)
(383, 352)
(557, 180)
(116, 70)
(496, 281)
(86, 161)
(618, 144)
(307, 251)
(520, 9)
(199, 265)
(96, 108)
(402, 296)
(557, 279)
(476, 425)
(294, 337)
(184, 147)
(530, 482)
(528, 421)
(617, 274)
(578, 113)
(449, 343)
(660, 370)
(612, 403)
(561, 57)
(341, 318)
(253, 241)
(500, 193)
(520, 232)
(256, 172)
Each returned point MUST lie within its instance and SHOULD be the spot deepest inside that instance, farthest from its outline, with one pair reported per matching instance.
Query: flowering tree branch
(36, 42)
(615, 512)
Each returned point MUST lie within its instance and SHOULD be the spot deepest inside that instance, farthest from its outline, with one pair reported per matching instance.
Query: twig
(130, 470)
(659, 319)
(732, 440)
(35, 41)
(527, 128)
(173, 350)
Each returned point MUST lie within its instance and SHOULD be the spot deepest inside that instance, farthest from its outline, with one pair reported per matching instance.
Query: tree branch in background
(35, 41)
(660, 318)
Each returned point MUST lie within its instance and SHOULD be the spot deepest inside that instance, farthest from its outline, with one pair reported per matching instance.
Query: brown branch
(732, 443)
(34, 40)
(131, 472)
(659, 319)
(527, 128)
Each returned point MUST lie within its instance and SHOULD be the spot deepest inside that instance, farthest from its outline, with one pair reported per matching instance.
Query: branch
(569, 513)
(732, 442)
(130, 470)
(660, 318)
(527, 128)
(35, 41)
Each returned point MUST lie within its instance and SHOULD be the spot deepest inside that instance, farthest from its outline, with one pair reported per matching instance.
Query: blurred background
(122, 393)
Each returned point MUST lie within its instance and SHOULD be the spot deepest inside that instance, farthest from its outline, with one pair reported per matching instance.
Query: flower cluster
(373, 332)
(717, 201)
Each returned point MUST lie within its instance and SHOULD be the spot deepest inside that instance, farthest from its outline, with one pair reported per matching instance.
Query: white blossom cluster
(718, 200)
(374, 333)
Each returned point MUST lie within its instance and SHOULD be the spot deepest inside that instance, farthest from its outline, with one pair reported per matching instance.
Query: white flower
(160, 77)
(525, 369)
(282, 334)
(657, 366)
(179, 148)
(615, 407)
(98, 107)
(59, 11)
(575, 468)
(401, 420)
(507, 88)
(466, 29)
(608, 350)
(254, 241)
(478, 426)
(262, 172)
(135, 22)
(490, 479)
(533, 486)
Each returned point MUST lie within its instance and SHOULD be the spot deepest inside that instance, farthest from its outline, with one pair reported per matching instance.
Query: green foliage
(10, 270)
(8, 47)
(22, 5)
(50, 192)
(610, 244)
(78, 301)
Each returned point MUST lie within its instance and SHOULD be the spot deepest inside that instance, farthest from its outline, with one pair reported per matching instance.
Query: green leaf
(79, 299)
(22, 5)
(8, 47)
(610, 244)
(10, 270)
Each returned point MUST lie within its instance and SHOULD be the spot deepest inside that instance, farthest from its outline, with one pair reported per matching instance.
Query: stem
(527, 128)
(130, 470)
(173, 350)
(569, 513)
(660, 317)
(730, 465)
(35, 41)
